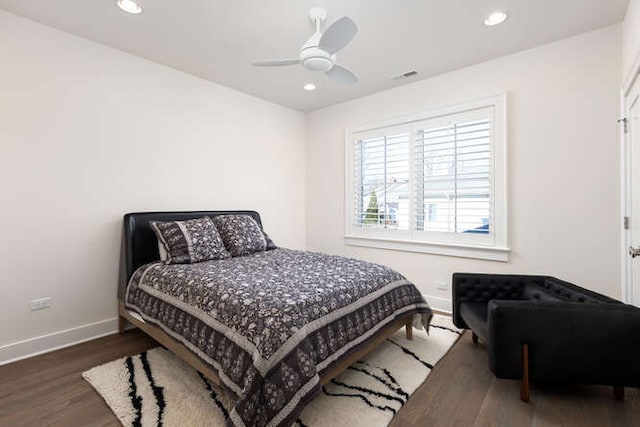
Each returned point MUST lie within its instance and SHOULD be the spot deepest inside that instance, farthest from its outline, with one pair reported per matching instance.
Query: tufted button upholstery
(573, 334)
(482, 288)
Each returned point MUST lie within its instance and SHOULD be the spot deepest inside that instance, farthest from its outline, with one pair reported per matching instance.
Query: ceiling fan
(319, 52)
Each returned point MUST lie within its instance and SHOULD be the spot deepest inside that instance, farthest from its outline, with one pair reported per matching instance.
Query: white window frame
(495, 249)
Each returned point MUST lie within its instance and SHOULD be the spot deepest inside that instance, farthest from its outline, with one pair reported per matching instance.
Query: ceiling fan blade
(276, 63)
(338, 35)
(342, 75)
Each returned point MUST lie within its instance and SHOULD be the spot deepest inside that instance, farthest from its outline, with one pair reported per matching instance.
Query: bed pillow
(190, 241)
(164, 255)
(270, 244)
(241, 234)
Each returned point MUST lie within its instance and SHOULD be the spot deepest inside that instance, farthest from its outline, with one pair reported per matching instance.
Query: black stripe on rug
(446, 329)
(214, 396)
(392, 384)
(136, 400)
(393, 380)
(369, 391)
(158, 392)
(412, 354)
(361, 397)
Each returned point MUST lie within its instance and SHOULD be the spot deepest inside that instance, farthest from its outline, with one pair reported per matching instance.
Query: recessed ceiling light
(309, 86)
(495, 18)
(130, 6)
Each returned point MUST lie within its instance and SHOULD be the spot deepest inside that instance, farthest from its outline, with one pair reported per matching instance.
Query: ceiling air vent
(405, 75)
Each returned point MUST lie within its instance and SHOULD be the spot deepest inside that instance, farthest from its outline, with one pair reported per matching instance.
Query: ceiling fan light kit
(318, 54)
(315, 59)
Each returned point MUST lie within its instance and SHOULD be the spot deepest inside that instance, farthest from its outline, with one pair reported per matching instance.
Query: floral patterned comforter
(271, 323)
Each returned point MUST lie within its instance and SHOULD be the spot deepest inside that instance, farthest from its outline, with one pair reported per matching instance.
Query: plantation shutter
(381, 179)
(453, 173)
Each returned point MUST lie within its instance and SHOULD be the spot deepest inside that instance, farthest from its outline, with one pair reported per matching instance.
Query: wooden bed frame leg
(409, 328)
(122, 324)
(474, 337)
(524, 386)
(618, 392)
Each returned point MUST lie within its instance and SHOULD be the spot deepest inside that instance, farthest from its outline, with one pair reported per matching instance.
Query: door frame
(625, 187)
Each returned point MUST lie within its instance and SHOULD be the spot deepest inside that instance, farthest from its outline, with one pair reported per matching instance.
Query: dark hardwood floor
(461, 391)
(48, 390)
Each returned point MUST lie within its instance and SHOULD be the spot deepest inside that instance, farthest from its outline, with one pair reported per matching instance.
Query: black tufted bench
(548, 330)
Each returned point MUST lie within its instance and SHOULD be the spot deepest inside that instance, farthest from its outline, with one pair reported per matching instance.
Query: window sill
(447, 249)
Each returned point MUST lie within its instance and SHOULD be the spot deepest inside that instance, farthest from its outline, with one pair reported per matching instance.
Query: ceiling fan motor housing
(316, 59)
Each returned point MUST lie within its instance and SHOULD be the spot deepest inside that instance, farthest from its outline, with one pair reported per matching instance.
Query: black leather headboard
(140, 244)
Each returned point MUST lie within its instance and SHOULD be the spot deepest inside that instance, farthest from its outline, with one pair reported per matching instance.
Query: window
(432, 183)
(381, 165)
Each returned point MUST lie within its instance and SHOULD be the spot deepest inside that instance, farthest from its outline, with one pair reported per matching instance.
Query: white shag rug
(156, 388)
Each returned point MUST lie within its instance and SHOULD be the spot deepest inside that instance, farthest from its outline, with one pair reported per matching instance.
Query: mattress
(271, 323)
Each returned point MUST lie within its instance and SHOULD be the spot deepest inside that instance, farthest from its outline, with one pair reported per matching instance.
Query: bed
(271, 327)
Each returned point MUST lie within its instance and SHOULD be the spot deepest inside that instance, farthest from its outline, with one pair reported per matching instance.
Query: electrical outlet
(441, 285)
(40, 304)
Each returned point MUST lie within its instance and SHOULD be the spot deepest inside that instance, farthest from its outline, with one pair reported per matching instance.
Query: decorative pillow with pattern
(270, 244)
(190, 241)
(241, 234)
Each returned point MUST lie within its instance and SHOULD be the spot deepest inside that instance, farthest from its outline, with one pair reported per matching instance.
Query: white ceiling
(217, 39)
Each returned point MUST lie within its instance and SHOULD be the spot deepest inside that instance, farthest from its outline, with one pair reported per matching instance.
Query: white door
(632, 143)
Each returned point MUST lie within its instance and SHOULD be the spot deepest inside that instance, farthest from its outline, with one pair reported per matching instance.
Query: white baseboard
(439, 303)
(15, 351)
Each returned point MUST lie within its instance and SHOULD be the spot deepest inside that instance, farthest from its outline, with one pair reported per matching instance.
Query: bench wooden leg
(524, 386)
(409, 328)
(474, 337)
(618, 392)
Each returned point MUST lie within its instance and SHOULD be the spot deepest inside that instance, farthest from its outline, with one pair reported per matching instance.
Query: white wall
(631, 37)
(88, 133)
(563, 169)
